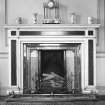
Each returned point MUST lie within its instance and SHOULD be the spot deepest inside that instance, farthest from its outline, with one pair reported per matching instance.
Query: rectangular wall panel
(13, 62)
(90, 62)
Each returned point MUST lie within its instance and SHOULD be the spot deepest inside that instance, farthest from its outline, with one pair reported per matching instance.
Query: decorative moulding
(57, 26)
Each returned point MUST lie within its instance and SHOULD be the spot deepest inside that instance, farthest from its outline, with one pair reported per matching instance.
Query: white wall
(100, 73)
(100, 64)
(25, 9)
(4, 73)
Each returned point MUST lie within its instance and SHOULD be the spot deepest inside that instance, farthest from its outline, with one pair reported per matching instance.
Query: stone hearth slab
(50, 98)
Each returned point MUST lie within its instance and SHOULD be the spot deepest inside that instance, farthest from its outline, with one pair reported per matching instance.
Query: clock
(51, 4)
(51, 12)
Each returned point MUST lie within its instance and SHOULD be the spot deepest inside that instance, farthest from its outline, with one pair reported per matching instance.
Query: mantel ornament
(35, 15)
(19, 20)
(73, 18)
(90, 20)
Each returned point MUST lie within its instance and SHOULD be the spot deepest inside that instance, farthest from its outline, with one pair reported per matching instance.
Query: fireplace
(52, 59)
(52, 68)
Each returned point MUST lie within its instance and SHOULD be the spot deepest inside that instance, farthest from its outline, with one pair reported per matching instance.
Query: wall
(3, 52)
(25, 9)
(11, 9)
(101, 48)
(4, 81)
(101, 73)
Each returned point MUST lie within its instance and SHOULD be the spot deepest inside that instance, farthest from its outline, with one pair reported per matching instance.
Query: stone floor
(11, 100)
(56, 103)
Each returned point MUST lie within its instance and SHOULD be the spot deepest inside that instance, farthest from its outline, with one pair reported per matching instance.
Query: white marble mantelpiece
(50, 38)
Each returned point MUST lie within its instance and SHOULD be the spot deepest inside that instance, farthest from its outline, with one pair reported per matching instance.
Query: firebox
(52, 68)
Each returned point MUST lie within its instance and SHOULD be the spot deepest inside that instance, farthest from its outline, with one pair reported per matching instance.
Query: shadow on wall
(63, 13)
(78, 19)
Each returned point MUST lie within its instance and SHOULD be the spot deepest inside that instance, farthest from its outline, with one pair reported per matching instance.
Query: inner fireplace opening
(51, 68)
(53, 73)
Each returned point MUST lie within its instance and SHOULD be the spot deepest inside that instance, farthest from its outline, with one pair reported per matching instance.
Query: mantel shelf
(50, 26)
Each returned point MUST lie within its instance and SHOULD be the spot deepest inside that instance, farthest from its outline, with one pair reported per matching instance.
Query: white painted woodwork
(55, 39)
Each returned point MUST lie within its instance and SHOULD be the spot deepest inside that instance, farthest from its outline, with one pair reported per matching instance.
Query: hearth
(52, 68)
